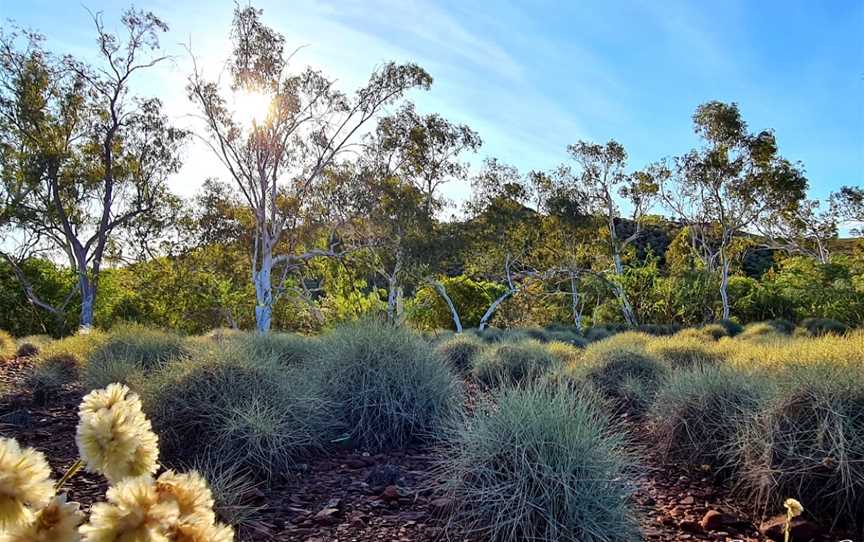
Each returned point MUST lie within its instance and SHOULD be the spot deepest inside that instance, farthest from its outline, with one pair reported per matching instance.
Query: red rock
(714, 520)
(690, 526)
(391, 493)
(327, 516)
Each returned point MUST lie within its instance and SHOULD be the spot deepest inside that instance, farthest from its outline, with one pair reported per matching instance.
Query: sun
(251, 107)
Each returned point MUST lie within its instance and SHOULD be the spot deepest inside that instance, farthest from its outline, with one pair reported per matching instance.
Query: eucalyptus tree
(502, 230)
(725, 187)
(84, 158)
(601, 181)
(807, 228)
(407, 160)
(849, 202)
(279, 160)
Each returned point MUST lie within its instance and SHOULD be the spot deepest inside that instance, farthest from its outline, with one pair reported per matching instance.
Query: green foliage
(539, 463)
(128, 350)
(51, 283)
(389, 388)
(460, 351)
(809, 442)
(697, 415)
(513, 363)
(471, 297)
(221, 404)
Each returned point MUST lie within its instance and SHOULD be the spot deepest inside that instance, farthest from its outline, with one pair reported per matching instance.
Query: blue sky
(532, 77)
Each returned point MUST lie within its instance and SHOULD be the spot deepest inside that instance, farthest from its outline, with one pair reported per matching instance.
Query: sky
(534, 76)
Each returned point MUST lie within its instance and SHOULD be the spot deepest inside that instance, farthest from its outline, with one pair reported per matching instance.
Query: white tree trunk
(88, 301)
(724, 284)
(457, 322)
(264, 289)
(577, 309)
(620, 293)
(484, 322)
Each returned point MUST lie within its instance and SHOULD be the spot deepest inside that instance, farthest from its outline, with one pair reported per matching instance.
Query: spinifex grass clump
(622, 371)
(127, 350)
(697, 414)
(223, 404)
(389, 388)
(513, 363)
(683, 351)
(287, 348)
(809, 442)
(761, 332)
(539, 463)
(460, 351)
(7, 346)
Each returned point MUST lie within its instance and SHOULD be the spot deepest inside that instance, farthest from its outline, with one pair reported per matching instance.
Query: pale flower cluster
(116, 440)
(114, 436)
(25, 483)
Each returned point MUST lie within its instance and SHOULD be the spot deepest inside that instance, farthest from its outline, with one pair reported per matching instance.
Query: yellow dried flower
(25, 481)
(200, 530)
(190, 491)
(106, 398)
(114, 436)
(57, 522)
(133, 513)
(793, 508)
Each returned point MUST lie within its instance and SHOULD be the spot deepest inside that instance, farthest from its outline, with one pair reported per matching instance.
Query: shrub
(698, 413)
(629, 378)
(539, 464)
(220, 403)
(459, 351)
(782, 325)
(389, 387)
(731, 326)
(7, 346)
(809, 442)
(513, 363)
(717, 331)
(127, 350)
(682, 351)
(816, 327)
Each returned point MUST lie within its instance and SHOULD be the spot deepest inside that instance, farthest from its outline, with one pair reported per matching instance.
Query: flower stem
(69, 474)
